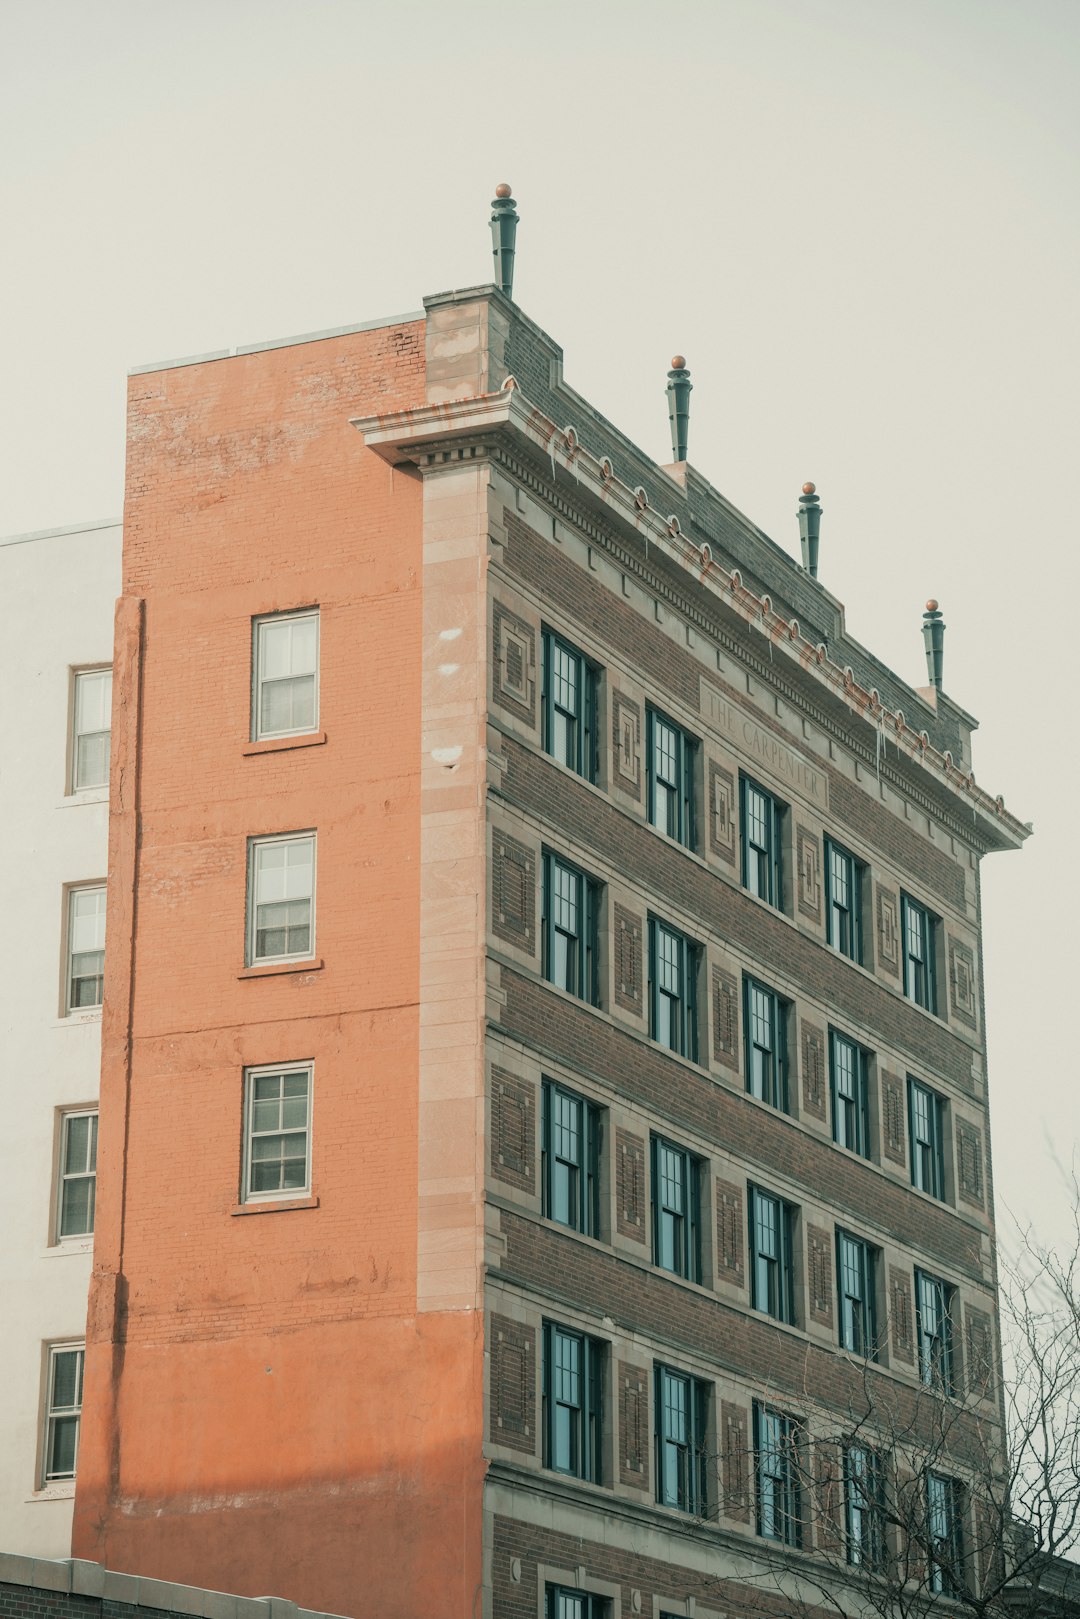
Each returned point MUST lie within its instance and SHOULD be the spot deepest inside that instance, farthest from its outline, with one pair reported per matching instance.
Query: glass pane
(87, 919)
(266, 1177)
(267, 1085)
(63, 1443)
(93, 701)
(92, 760)
(269, 872)
(275, 639)
(65, 1386)
(268, 1149)
(295, 1172)
(266, 1115)
(296, 1084)
(77, 1208)
(77, 1145)
(294, 1112)
(304, 643)
(298, 864)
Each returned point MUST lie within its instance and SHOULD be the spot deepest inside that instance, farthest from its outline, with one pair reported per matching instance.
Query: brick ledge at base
(75, 1576)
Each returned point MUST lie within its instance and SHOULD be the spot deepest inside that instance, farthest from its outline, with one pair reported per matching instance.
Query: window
(62, 1411)
(277, 1132)
(569, 707)
(766, 1045)
(855, 1267)
(571, 904)
(560, 1602)
(78, 1175)
(570, 1159)
(285, 699)
(281, 899)
(86, 948)
(92, 711)
(675, 1194)
(762, 843)
(776, 1445)
(772, 1280)
(918, 929)
(843, 900)
(926, 1116)
(682, 1405)
(933, 1323)
(671, 778)
(864, 1507)
(848, 1065)
(945, 1516)
(673, 989)
(573, 1402)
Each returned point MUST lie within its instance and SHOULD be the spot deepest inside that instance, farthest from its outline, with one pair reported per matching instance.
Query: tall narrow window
(843, 900)
(933, 1321)
(945, 1514)
(570, 1159)
(281, 898)
(63, 1411)
(92, 720)
(847, 1073)
(86, 948)
(918, 928)
(675, 1196)
(569, 706)
(772, 1281)
(778, 1493)
(766, 1045)
(277, 1132)
(78, 1174)
(681, 1430)
(571, 905)
(855, 1262)
(573, 1409)
(926, 1110)
(671, 778)
(563, 1602)
(762, 843)
(673, 989)
(285, 699)
(864, 1507)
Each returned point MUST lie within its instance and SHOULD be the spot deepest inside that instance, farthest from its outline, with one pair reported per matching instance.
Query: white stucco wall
(57, 591)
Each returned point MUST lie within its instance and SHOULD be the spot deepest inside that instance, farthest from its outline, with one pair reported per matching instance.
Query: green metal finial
(678, 406)
(933, 629)
(809, 527)
(504, 224)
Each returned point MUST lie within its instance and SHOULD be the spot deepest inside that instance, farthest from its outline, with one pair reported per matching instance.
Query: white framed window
(77, 1180)
(63, 1411)
(285, 674)
(277, 1131)
(281, 898)
(91, 722)
(85, 948)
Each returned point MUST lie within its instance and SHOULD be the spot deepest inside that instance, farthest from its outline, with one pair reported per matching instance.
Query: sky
(856, 218)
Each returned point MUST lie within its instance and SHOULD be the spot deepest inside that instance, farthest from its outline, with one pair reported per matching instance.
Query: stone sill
(281, 744)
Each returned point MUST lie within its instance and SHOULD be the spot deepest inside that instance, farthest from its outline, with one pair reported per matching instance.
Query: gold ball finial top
(678, 362)
(931, 606)
(809, 488)
(502, 190)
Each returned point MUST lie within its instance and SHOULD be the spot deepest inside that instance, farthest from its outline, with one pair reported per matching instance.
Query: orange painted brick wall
(265, 1412)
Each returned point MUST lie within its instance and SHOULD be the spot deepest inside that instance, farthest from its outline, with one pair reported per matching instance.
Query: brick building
(543, 1067)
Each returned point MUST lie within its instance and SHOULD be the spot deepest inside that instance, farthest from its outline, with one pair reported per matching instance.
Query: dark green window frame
(573, 1403)
(945, 1534)
(849, 1065)
(682, 1417)
(933, 1331)
(676, 1194)
(856, 1263)
(673, 966)
(761, 821)
(564, 1602)
(778, 1493)
(671, 757)
(918, 933)
(570, 1159)
(765, 1016)
(772, 1268)
(864, 1507)
(843, 900)
(926, 1128)
(568, 706)
(571, 910)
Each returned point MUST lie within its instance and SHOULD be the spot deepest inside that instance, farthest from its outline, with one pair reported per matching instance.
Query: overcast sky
(856, 218)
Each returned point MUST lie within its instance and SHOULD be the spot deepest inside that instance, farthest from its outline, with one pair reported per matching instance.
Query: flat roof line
(58, 533)
(278, 343)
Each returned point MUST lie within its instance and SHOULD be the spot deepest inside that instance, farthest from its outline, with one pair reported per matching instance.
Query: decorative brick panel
(513, 1385)
(721, 812)
(736, 1460)
(628, 960)
(962, 992)
(901, 1315)
(633, 1426)
(980, 1351)
(626, 743)
(893, 1119)
(513, 1131)
(888, 929)
(725, 995)
(969, 1161)
(513, 664)
(808, 859)
(813, 1070)
(829, 1489)
(513, 891)
(819, 1253)
(729, 1232)
(630, 1186)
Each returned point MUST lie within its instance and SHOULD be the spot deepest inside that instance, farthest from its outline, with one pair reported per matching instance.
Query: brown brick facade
(722, 812)
(725, 996)
(819, 1264)
(814, 1086)
(969, 1163)
(730, 1229)
(736, 1460)
(513, 1384)
(513, 663)
(631, 1210)
(513, 891)
(901, 1315)
(808, 862)
(634, 1427)
(513, 1131)
(893, 1119)
(628, 959)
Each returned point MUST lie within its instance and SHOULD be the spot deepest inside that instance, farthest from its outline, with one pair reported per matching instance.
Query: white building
(58, 588)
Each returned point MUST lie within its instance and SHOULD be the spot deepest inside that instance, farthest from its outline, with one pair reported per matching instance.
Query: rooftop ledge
(80, 1577)
(409, 436)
